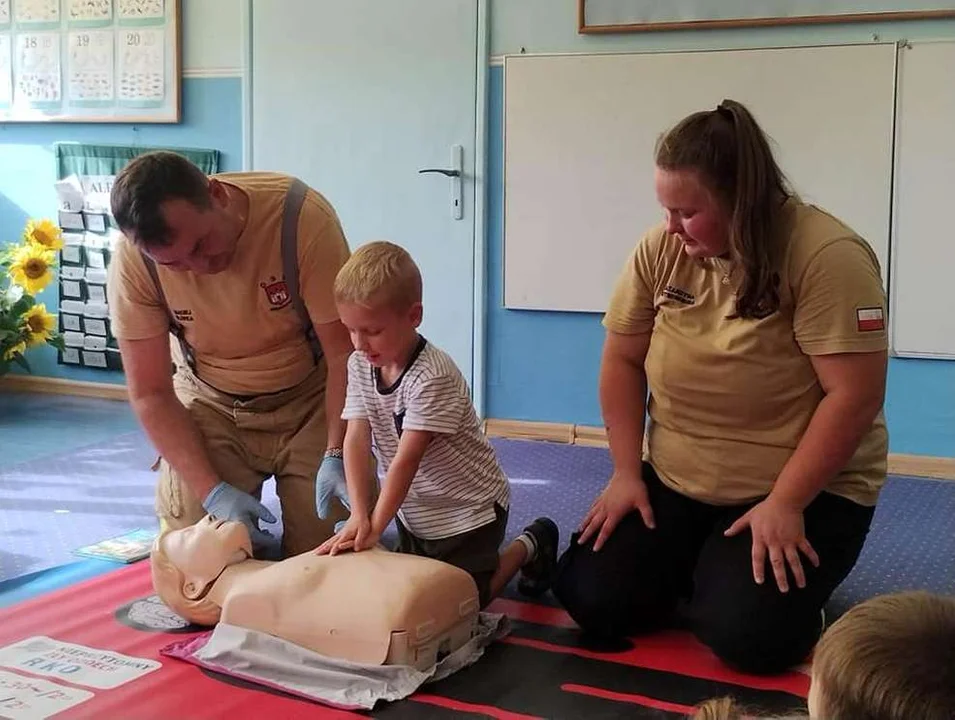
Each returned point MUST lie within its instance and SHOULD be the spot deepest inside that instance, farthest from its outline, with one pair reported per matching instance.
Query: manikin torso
(352, 606)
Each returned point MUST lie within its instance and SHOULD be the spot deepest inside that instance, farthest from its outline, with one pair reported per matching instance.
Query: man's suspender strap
(293, 206)
(294, 198)
(175, 327)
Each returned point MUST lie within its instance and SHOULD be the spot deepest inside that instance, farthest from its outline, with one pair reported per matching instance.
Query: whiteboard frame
(770, 21)
(875, 42)
(169, 113)
(892, 299)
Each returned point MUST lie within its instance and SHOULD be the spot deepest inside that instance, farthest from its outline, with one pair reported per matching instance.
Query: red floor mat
(541, 670)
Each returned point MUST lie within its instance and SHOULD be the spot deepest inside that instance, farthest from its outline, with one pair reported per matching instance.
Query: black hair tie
(725, 112)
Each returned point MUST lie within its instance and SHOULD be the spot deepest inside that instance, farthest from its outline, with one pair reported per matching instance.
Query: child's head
(378, 294)
(888, 658)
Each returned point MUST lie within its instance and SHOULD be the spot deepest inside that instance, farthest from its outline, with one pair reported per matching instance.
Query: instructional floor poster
(23, 697)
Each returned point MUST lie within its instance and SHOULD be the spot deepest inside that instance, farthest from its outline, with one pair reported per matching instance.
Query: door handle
(455, 173)
(443, 171)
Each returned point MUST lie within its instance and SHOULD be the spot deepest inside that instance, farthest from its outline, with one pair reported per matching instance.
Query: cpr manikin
(374, 607)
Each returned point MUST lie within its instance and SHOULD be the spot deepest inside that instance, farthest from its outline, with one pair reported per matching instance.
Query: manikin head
(177, 215)
(378, 294)
(723, 196)
(186, 562)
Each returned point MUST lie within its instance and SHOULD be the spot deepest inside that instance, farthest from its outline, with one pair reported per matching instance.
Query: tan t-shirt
(729, 398)
(247, 337)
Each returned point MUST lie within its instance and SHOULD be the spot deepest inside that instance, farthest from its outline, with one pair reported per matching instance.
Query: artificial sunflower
(40, 324)
(32, 267)
(44, 233)
(17, 349)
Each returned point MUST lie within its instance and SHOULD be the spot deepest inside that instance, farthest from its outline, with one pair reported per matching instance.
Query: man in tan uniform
(230, 279)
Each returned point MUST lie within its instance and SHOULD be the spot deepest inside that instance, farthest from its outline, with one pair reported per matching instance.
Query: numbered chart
(141, 67)
(6, 71)
(90, 13)
(90, 60)
(91, 68)
(38, 69)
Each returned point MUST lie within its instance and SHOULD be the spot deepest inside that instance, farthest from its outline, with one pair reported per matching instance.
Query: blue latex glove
(229, 503)
(329, 484)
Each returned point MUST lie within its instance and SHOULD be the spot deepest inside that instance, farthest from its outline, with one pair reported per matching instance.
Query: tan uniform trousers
(249, 440)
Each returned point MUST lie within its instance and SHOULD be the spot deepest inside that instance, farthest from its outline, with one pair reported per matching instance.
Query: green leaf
(24, 304)
(22, 362)
(57, 342)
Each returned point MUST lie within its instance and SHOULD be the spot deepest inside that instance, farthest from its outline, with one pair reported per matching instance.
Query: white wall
(212, 37)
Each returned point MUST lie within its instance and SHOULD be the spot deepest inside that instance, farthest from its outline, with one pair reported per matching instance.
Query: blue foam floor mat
(54, 504)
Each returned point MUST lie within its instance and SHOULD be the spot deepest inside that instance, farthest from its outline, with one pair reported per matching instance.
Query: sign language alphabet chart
(91, 66)
(38, 68)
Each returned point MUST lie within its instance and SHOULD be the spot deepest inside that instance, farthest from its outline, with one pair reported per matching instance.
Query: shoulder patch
(870, 319)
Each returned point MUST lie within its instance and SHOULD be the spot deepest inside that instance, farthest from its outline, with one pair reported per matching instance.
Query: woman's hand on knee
(778, 531)
(622, 495)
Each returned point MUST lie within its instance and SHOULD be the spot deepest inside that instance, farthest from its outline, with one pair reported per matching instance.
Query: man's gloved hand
(330, 483)
(229, 503)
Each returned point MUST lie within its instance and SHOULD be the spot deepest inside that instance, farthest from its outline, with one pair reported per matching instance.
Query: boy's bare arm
(411, 449)
(356, 455)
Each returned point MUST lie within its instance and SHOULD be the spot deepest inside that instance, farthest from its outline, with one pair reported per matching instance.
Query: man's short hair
(379, 274)
(144, 184)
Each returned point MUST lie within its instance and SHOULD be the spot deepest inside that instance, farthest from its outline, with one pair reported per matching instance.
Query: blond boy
(407, 399)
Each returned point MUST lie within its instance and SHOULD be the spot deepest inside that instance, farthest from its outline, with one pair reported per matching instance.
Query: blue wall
(543, 365)
(211, 118)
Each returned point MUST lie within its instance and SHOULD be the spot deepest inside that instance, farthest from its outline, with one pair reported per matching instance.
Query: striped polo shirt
(459, 479)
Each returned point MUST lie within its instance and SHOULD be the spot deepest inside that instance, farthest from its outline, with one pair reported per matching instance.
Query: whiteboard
(579, 132)
(923, 323)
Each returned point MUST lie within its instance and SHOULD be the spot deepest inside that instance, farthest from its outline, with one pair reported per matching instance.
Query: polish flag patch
(870, 319)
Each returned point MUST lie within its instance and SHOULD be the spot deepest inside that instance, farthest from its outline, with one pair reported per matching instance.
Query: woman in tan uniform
(751, 328)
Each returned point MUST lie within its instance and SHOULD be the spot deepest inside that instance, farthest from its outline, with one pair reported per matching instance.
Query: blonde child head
(888, 658)
(379, 275)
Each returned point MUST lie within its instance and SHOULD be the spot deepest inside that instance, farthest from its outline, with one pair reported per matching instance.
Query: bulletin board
(91, 61)
(626, 16)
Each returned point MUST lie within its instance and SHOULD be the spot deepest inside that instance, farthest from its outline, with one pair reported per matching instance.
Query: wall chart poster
(90, 61)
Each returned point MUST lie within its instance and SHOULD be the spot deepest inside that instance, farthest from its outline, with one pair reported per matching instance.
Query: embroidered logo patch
(183, 316)
(277, 293)
(870, 319)
(681, 296)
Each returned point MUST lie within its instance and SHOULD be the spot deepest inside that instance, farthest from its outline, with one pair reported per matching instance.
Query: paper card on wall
(95, 221)
(37, 68)
(73, 339)
(89, 13)
(71, 220)
(95, 257)
(80, 665)
(6, 70)
(4, 13)
(94, 359)
(69, 193)
(92, 342)
(37, 12)
(96, 190)
(76, 307)
(142, 66)
(96, 310)
(26, 697)
(141, 11)
(90, 67)
(72, 254)
(71, 356)
(71, 288)
(96, 276)
(95, 327)
(71, 322)
(73, 272)
(96, 293)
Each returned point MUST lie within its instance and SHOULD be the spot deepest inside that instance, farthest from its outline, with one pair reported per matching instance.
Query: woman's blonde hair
(169, 583)
(735, 162)
(890, 658)
(727, 708)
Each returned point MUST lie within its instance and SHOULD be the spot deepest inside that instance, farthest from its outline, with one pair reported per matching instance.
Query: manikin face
(383, 335)
(692, 213)
(201, 241)
(202, 551)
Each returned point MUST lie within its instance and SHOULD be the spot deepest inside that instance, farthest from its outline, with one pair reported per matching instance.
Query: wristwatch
(333, 452)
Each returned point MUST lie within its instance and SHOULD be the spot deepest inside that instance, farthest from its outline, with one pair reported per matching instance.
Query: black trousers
(636, 581)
